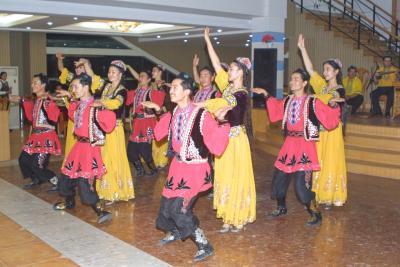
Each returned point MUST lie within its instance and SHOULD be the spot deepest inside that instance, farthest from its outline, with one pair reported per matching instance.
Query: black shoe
(315, 219)
(32, 184)
(170, 237)
(139, 168)
(69, 203)
(104, 216)
(280, 211)
(53, 189)
(152, 168)
(205, 249)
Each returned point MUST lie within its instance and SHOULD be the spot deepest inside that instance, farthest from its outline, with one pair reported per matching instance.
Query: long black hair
(336, 66)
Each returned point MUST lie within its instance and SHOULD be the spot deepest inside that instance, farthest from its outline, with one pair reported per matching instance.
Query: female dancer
(330, 183)
(117, 183)
(234, 187)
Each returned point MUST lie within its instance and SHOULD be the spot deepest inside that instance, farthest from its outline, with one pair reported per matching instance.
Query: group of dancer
(199, 126)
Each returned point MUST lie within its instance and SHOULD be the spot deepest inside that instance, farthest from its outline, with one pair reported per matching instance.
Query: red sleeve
(107, 120)
(28, 108)
(275, 108)
(158, 97)
(216, 137)
(52, 110)
(329, 117)
(129, 97)
(162, 126)
(71, 109)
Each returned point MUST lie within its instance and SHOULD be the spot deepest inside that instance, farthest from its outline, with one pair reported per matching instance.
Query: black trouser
(171, 216)
(355, 102)
(34, 166)
(87, 191)
(280, 185)
(389, 92)
(136, 150)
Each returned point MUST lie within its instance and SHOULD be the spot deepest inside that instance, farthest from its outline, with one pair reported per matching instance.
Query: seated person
(353, 87)
(385, 77)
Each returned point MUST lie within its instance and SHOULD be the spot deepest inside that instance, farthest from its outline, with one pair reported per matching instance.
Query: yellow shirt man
(353, 86)
(389, 76)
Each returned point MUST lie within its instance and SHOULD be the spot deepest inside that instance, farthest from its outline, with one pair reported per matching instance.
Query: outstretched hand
(200, 104)
(152, 105)
(300, 42)
(14, 98)
(63, 93)
(334, 101)
(196, 60)
(207, 33)
(260, 91)
(59, 56)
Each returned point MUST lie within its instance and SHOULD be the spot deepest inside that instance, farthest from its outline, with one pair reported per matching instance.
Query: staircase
(370, 149)
(363, 31)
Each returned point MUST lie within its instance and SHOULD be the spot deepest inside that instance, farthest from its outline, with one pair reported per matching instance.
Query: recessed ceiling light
(215, 38)
(219, 30)
(186, 33)
(65, 44)
(28, 28)
(218, 42)
(75, 18)
(49, 23)
(247, 44)
(185, 41)
(248, 40)
(250, 35)
(158, 36)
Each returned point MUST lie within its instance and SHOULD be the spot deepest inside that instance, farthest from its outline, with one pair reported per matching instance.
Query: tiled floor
(363, 233)
(19, 247)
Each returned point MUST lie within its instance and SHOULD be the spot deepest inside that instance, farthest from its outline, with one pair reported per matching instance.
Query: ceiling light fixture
(219, 30)
(218, 42)
(185, 41)
(123, 26)
(49, 23)
(158, 36)
(246, 44)
(28, 28)
(186, 33)
(75, 18)
(250, 35)
(215, 38)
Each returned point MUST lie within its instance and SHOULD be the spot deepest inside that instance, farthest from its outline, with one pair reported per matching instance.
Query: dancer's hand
(260, 91)
(207, 33)
(300, 43)
(196, 60)
(221, 113)
(152, 105)
(60, 56)
(97, 103)
(14, 98)
(63, 93)
(334, 101)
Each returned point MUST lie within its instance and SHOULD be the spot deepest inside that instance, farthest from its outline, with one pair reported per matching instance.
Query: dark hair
(159, 67)
(352, 68)
(43, 79)
(187, 82)
(384, 57)
(2, 73)
(336, 66)
(245, 71)
(84, 79)
(207, 68)
(304, 76)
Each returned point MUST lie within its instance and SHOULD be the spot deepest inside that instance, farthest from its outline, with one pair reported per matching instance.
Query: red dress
(90, 125)
(192, 132)
(144, 119)
(298, 154)
(43, 114)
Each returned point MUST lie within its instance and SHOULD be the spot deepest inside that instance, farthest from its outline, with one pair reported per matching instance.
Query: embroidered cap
(245, 61)
(119, 64)
(337, 61)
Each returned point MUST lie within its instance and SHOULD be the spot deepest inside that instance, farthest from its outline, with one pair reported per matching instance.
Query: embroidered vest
(311, 122)
(40, 117)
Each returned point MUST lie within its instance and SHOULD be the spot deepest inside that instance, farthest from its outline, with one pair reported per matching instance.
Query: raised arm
(211, 51)
(306, 58)
(133, 72)
(195, 70)
(60, 61)
(88, 67)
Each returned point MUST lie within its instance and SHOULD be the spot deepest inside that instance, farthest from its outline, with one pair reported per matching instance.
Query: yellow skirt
(117, 183)
(70, 139)
(234, 187)
(160, 153)
(330, 183)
